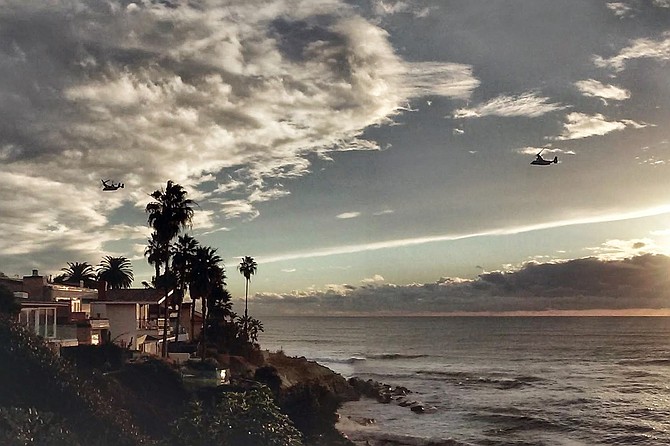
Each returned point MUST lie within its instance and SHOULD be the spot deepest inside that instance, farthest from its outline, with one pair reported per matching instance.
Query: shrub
(22, 427)
(32, 376)
(235, 418)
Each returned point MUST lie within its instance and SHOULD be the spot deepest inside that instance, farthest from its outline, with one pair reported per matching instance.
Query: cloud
(661, 3)
(581, 125)
(384, 212)
(384, 8)
(348, 215)
(544, 150)
(619, 9)
(374, 279)
(153, 91)
(527, 104)
(593, 88)
(581, 284)
(638, 49)
(617, 249)
(398, 243)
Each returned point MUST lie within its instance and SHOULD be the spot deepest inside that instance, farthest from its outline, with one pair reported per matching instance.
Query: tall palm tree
(116, 271)
(206, 274)
(182, 261)
(168, 215)
(77, 272)
(247, 268)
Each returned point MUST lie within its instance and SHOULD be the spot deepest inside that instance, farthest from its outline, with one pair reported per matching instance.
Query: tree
(182, 262)
(222, 329)
(9, 304)
(76, 273)
(206, 274)
(247, 268)
(154, 254)
(116, 271)
(252, 327)
(168, 215)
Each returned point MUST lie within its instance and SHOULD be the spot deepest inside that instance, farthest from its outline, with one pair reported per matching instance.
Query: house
(136, 317)
(57, 312)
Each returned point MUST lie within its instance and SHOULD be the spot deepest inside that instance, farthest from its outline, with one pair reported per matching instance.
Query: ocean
(496, 380)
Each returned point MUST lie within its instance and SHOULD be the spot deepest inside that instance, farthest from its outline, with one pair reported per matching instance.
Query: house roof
(131, 295)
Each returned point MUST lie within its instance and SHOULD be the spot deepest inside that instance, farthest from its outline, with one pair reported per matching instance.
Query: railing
(147, 324)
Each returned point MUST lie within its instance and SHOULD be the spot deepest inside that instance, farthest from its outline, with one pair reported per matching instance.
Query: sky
(372, 156)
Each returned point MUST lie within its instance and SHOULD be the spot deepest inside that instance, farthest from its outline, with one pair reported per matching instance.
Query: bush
(235, 418)
(32, 376)
(23, 427)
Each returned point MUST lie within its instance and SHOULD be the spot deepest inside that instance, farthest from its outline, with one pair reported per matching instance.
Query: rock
(418, 408)
(294, 371)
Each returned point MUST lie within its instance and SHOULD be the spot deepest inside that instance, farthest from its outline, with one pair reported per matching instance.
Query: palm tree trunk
(178, 305)
(192, 328)
(165, 324)
(203, 335)
(246, 309)
(166, 315)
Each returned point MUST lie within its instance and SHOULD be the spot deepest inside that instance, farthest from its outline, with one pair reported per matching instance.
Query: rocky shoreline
(304, 386)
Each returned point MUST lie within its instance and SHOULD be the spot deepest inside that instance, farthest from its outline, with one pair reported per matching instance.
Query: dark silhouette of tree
(9, 304)
(154, 254)
(168, 215)
(247, 268)
(116, 271)
(77, 272)
(182, 261)
(206, 274)
(252, 328)
(222, 329)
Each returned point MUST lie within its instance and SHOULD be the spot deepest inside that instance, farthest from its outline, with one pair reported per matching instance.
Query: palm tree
(168, 215)
(182, 261)
(116, 271)
(78, 272)
(247, 268)
(154, 254)
(206, 274)
(251, 328)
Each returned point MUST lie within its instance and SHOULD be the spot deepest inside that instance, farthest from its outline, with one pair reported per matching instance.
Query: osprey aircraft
(109, 185)
(539, 161)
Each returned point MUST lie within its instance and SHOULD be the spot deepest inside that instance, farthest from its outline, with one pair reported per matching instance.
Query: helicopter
(107, 185)
(539, 161)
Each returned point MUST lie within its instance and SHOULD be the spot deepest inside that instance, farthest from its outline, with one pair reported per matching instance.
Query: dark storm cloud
(581, 284)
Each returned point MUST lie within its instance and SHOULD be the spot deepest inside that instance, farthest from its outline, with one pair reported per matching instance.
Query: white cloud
(373, 280)
(444, 79)
(597, 89)
(661, 3)
(638, 49)
(619, 9)
(384, 212)
(398, 243)
(617, 249)
(581, 125)
(528, 104)
(147, 91)
(384, 8)
(348, 215)
(545, 150)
